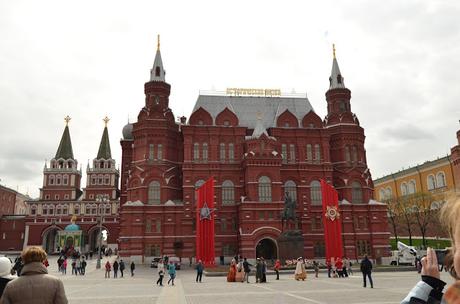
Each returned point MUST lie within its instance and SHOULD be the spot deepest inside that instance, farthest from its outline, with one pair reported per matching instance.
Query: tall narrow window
(222, 151)
(154, 193)
(292, 153)
(265, 189)
(148, 225)
(440, 180)
(223, 224)
(160, 152)
(354, 154)
(228, 193)
(356, 193)
(65, 180)
(291, 188)
(198, 184)
(315, 193)
(404, 189)
(231, 152)
(317, 154)
(196, 151)
(158, 225)
(151, 152)
(412, 187)
(205, 152)
(309, 153)
(51, 180)
(431, 182)
(347, 154)
(284, 152)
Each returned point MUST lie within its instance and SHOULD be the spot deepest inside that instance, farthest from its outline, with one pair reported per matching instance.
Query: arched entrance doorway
(267, 249)
(94, 238)
(50, 241)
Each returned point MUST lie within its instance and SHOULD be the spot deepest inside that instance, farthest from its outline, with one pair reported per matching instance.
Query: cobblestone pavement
(389, 287)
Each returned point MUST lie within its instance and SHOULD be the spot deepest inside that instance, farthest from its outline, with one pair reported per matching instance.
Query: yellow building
(436, 176)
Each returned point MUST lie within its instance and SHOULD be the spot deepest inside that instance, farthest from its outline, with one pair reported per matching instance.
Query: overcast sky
(88, 59)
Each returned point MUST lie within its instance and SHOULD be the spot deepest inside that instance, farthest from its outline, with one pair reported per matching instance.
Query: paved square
(390, 287)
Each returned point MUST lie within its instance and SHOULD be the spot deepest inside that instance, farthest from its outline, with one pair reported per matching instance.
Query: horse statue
(289, 210)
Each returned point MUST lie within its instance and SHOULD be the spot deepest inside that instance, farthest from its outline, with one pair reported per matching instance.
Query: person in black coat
(122, 267)
(132, 268)
(366, 269)
(247, 270)
(115, 269)
(5, 273)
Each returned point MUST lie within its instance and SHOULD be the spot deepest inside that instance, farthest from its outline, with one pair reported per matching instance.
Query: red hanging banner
(332, 222)
(205, 223)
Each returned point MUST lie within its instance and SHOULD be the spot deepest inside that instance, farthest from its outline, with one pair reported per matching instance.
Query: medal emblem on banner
(332, 213)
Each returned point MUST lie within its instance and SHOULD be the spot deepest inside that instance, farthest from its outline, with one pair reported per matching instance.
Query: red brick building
(61, 197)
(256, 148)
(12, 214)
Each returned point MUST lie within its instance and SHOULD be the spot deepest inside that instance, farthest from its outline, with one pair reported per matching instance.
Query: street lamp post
(100, 199)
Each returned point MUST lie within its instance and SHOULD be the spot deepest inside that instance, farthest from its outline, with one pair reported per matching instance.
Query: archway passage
(95, 238)
(50, 241)
(267, 249)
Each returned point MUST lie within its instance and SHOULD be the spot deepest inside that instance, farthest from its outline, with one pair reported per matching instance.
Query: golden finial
(67, 119)
(333, 49)
(158, 42)
(74, 219)
(106, 120)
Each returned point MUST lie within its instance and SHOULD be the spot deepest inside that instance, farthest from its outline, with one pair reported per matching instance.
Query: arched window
(33, 210)
(65, 180)
(356, 193)
(205, 152)
(315, 193)
(347, 154)
(222, 151)
(231, 152)
(76, 209)
(157, 71)
(291, 188)
(292, 153)
(160, 152)
(51, 180)
(404, 189)
(196, 151)
(265, 189)
(388, 193)
(65, 210)
(309, 153)
(412, 188)
(431, 182)
(354, 154)
(382, 194)
(198, 184)
(106, 179)
(58, 180)
(58, 210)
(108, 209)
(440, 180)
(317, 154)
(228, 193)
(154, 193)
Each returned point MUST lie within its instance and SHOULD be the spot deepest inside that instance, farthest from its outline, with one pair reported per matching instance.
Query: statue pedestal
(290, 245)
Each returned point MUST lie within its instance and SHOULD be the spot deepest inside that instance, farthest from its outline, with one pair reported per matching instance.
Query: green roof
(65, 146)
(104, 146)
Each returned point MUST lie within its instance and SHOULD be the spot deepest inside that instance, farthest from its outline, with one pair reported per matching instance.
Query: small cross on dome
(106, 120)
(67, 119)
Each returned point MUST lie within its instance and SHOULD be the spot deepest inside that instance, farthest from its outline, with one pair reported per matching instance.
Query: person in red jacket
(277, 269)
(108, 268)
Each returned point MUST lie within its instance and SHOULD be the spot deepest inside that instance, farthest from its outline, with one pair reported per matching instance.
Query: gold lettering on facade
(253, 92)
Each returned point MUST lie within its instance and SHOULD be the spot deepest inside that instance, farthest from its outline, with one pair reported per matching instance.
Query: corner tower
(102, 178)
(61, 181)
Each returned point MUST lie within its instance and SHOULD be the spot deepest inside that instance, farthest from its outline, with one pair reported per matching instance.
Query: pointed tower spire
(65, 146)
(336, 79)
(157, 73)
(104, 147)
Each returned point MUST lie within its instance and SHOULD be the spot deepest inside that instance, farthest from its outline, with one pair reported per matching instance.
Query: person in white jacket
(161, 273)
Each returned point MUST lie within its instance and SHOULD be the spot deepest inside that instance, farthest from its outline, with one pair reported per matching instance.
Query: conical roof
(336, 79)
(104, 147)
(157, 73)
(64, 150)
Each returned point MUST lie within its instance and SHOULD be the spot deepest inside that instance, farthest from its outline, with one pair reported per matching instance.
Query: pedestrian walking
(300, 273)
(264, 271)
(316, 268)
(277, 268)
(74, 267)
(329, 268)
(247, 270)
(161, 273)
(64, 266)
(5, 273)
(83, 267)
(366, 269)
(34, 285)
(239, 276)
(122, 267)
(132, 268)
(199, 271)
(258, 270)
(115, 269)
(108, 268)
(171, 272)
